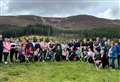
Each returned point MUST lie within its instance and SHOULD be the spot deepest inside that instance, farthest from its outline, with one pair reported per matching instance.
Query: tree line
(47, 30)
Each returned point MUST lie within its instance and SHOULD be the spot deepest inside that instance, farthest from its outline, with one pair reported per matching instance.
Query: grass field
(56, 72)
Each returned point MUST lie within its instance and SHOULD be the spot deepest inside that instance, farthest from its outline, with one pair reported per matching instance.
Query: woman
(6, 49)
(114, 54)
(13, 52)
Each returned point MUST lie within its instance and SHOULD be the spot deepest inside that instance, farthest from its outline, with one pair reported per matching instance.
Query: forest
(47, 30)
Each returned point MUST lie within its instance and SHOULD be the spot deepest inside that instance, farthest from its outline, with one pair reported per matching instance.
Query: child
(51, 51)
(90, 56)
(97, 59)
(78, 54)
(29, 54)
(44, 47)
(36, 54)
(29, 51)
(66, 53)
(21, 56)
(104, 59)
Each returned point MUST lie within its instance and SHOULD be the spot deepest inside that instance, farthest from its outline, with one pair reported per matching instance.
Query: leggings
(1, 57)
(5, 56)
(118, 61)
(12, 53)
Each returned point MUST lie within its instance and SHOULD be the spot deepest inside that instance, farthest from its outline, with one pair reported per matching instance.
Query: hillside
(75, 26)
(79, 21)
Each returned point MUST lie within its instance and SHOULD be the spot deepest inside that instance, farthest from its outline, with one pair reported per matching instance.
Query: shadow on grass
(4, 79)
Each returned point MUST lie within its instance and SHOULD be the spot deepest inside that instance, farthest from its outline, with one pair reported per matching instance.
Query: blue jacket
(29, 45)
(114, 52)
(118, 47)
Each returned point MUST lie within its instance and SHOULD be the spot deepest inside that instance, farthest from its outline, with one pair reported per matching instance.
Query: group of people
(102, 52)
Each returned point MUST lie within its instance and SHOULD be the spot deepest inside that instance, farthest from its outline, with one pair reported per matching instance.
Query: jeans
(118, 58)
(113, 62)
(42, 56)
(51, 55)
(21, 58)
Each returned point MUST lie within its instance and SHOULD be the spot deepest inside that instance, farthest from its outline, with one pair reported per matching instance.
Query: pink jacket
(7, 46)
(44, 45)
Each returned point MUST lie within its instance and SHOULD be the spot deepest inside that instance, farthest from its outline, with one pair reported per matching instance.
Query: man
(1, 48)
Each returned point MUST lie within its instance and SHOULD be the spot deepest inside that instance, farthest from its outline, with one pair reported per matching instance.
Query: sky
(109, 9)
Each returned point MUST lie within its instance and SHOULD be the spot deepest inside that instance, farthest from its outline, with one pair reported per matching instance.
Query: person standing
(1, 48)
(6, 49)
(118, 58)
(114, 54)
(13, 52)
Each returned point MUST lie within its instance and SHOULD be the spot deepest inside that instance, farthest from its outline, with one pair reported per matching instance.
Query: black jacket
(1, 46)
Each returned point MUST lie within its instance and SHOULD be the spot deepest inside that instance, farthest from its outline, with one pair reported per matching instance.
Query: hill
(79, 21)
(79, 26)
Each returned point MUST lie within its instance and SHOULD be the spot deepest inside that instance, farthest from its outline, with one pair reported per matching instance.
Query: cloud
(62, 8)
(106, 14)
(4, 5)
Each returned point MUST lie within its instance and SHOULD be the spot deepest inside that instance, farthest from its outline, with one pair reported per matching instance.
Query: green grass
(56, 72)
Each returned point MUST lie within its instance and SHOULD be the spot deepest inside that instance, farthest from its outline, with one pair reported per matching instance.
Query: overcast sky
(61, 8)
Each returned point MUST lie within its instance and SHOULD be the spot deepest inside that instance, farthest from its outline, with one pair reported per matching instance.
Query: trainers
(6, 62)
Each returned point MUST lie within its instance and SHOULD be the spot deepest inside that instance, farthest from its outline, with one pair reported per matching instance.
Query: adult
(1, 48)
(13, 51)
(118, 58)
(6, 49)
(113, 54)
